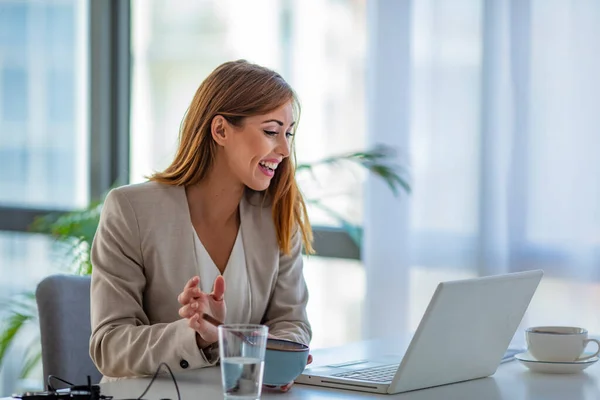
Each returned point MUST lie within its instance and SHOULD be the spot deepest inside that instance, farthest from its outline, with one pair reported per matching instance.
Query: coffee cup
(559, 343)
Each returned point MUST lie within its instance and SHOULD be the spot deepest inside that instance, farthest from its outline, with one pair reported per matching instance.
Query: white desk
(512, 381)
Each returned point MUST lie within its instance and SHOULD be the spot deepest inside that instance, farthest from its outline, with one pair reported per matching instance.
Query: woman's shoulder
(145, 188)
(148, 194)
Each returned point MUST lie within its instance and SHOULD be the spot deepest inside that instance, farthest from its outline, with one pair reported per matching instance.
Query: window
(43, 104)
(446, 84)
(43, 145)
(504, 134)
(336, 294)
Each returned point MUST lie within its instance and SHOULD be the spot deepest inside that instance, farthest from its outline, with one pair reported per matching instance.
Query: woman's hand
(195, 302)
(287, 387)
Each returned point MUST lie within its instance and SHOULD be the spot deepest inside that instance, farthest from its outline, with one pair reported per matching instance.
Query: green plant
(375, 161)
(22, 312)
(76, 231)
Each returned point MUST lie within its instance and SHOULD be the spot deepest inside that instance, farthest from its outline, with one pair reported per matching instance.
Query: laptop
(463, 335)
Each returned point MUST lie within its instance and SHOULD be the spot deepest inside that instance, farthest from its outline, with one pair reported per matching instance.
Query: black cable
(154, 377)
(50, 377)
(52, 389)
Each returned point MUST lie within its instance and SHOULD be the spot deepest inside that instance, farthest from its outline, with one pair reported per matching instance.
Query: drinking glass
(242, 352)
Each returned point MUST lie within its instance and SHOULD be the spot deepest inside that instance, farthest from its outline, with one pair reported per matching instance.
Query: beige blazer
(142, 257)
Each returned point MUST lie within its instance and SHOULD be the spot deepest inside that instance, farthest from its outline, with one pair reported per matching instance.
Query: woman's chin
(259, 185)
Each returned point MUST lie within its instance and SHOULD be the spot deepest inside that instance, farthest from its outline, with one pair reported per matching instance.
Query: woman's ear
(219, 130)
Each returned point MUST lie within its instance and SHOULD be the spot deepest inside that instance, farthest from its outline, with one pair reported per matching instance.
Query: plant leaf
(376, 161)
(354, 231)
(32, 359)
(75, 229)
(13, 325)
(23, 303)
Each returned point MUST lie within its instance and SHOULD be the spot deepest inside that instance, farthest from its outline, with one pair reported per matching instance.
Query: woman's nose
(283, 146)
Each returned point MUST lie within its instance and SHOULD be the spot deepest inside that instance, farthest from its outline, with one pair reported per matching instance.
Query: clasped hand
(195, 302)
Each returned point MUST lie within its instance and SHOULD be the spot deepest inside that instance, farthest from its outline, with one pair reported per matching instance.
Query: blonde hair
(236, 90)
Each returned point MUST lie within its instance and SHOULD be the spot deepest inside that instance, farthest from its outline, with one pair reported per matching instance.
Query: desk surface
(511, 381)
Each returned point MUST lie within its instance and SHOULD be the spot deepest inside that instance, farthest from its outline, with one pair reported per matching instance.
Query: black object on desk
(74, 392)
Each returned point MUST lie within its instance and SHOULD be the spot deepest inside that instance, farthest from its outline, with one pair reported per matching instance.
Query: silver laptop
(463, 335)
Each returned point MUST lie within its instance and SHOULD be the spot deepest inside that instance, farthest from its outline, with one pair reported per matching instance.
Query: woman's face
(254, 150)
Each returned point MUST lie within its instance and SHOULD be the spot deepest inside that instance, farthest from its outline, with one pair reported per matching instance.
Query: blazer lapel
(188, 234)
(262, 252)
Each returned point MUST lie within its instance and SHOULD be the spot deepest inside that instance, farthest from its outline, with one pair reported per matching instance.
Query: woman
(220, 231)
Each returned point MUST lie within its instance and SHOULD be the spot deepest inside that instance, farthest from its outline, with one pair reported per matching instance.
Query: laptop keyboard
(384, 373)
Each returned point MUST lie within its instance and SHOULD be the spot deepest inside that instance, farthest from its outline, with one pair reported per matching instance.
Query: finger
(188, 310)
(194, 322)
(195, 306)
(310, 359)
(287, 387)
(192, 283)
(188, 295)
(200, 326)
(218, 288)
(197, 323)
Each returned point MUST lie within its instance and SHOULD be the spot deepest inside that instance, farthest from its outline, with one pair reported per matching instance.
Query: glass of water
(242, 352)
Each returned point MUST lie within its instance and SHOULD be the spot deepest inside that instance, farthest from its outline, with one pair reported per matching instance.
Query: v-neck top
(237, 286)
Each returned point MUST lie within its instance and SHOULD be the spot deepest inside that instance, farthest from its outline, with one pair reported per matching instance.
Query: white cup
(559, 343)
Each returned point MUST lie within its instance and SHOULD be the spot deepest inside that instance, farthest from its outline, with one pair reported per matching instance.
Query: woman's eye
(289, 134)
(270, 133)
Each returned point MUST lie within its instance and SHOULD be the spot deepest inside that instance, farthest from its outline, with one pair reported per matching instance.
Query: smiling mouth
(267, 168)
(268, 165)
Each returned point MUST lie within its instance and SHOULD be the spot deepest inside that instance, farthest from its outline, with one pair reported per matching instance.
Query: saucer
(553, 367)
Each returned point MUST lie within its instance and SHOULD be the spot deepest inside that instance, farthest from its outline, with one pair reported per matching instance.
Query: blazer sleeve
(123, 342)
(286, 312)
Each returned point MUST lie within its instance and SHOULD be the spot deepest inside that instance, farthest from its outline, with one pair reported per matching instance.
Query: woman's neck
(216, 199)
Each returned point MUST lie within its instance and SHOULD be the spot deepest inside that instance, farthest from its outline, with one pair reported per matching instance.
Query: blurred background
(490, 105)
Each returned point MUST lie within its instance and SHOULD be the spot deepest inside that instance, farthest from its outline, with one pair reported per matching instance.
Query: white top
(237, 286)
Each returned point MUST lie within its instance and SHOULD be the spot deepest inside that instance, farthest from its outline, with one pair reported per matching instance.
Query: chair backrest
(64, 311)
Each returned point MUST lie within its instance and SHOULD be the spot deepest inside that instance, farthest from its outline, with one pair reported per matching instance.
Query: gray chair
(64, 311)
